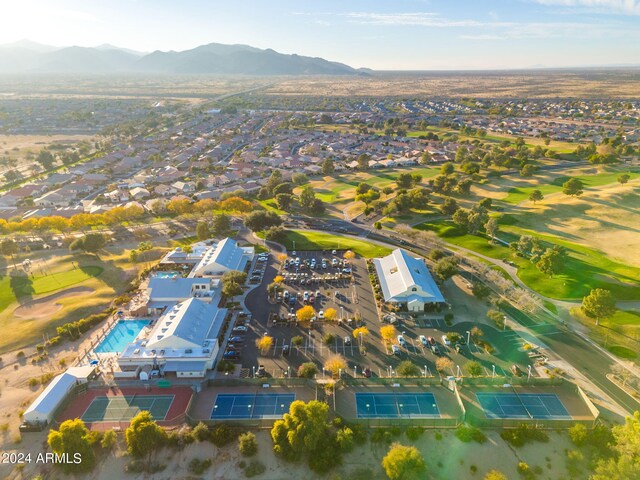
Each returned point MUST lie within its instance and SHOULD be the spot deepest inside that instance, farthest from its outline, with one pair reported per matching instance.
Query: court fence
(258, 382)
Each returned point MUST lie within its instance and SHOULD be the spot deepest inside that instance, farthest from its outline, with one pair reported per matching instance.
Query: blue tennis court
(538, 406)
(248, 405)
(396, 405)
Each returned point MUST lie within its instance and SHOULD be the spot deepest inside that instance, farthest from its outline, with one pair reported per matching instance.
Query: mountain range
(29, 57)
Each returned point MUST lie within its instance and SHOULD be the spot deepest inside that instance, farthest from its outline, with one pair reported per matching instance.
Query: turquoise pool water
(166, 274)
(123, 333)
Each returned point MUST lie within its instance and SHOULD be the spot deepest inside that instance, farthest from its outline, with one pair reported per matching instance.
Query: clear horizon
(382, 35)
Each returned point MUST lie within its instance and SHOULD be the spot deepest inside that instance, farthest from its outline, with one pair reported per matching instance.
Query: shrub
(578, 434)
(307, 370)
(201, 432)
(469, 433)
(20, 355)
(328, 338)
(108, 440)
(254, 468)
(198, 467)
(226, 366)
(297, 340)
(344, 438)
(247, 444)
(222, 435)
(414, 433)
(524, 434)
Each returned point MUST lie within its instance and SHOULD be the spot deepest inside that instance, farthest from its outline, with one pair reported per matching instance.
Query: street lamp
(254, 370)
(323, 372)
(339, 373)
(493, 371)
(355, 369)
(529, 374)
(504, 323)
(469, 339)
(458, 370)
(425, 371)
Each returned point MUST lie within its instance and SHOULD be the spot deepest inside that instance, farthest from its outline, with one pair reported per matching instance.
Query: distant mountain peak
(213, 58)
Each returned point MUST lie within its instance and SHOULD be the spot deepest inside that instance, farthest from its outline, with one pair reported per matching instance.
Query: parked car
(262, 372)
(334, 252)
(424, 341)
(285, 350)
(321, 314)
(515, 369)
(446, 341)
(286, 294)
(239, 329)
(231, 354)
(402, 341)
(236, 339)
(366, 372)
(395, 349)
(432, 341)
(435, 349)
(347, 340)
(334, 262)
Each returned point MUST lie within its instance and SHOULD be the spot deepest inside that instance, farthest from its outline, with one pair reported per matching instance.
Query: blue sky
(380, 34)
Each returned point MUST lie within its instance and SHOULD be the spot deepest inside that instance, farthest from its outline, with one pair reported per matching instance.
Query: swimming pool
(123, 333)
(166, 275)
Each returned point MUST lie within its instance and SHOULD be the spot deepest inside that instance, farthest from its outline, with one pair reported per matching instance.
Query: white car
(395, 349)
(334, 262)
(424, 341)
(445, 341)
(321, 314)
(402, 341)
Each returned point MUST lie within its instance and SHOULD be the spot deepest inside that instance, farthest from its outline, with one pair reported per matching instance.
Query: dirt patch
(45, 306)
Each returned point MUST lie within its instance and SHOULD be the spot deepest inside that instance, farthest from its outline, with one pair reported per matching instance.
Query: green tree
(307, 370)
(573, 187)
(202, 231)
(247, 444)
(284, 201)
(536, 196)
(407, 368)
(599, 304)
(327, 166)
(46, 159)
(449, 206)
(144, 436)
(625, 465)
(461, 219)
(261, 220)
(404, 463)
(624, 178)
(473, 368)
(73, 438)
(299, 179)
(221, 225)
(446, 268)
(90, 243)
(552, 261)
(491, 227)
(528, 170)
(363, 161)
(447, 168)
(284, 187)
(426, 157)
(305, 433)
(307, 197)
(8, 247)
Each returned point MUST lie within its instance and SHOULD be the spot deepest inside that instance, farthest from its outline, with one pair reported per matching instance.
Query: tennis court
(124, 408)
(248, 405)
(537, 406)
(396, 405)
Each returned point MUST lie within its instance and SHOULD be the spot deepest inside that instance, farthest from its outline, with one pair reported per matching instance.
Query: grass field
(305, 240)
(585, 268)
(555, 145)
(519, 194)
(104, 278)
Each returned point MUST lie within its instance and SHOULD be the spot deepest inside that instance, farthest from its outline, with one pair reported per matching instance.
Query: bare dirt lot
(45, 306)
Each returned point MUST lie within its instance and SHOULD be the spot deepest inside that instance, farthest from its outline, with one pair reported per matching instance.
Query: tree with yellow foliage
(264, 343)
(349, 255)
(278, 279)
(360, 332)
(388, 333)
(305, 314)
(330, 314)
(334, 364)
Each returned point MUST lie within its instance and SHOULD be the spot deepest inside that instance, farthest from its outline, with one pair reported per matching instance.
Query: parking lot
(351, 295)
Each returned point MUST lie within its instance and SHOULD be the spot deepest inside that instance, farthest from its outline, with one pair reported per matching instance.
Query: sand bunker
(46, 306)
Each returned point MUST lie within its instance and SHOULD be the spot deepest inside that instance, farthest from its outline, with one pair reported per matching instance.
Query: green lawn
(517, 195)
(12, 288)
(585, 268)
(306, 240)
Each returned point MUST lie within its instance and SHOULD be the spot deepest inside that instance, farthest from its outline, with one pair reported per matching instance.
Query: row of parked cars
(258, 270)
(236, 340)
(429, 343)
